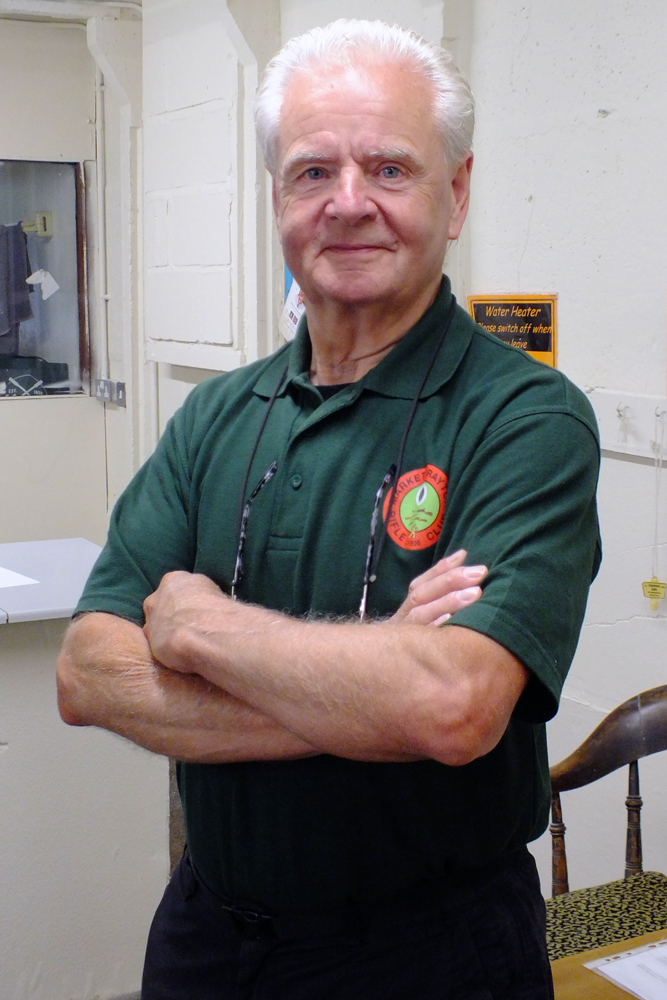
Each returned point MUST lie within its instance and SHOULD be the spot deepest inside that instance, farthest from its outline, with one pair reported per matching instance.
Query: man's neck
(348, 340)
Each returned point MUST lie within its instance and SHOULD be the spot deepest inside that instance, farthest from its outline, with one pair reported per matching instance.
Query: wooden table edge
(573, 982)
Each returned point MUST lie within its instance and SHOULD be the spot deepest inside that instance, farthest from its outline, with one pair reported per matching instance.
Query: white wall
(569, 179)
(118, 351)
(51, 450)
(83, 832)
(191, 181)
(175, 382)
(568, 197)
(209, 291)
(206, 288)
(53, 483)
(84, 814)
(423, 16)
(49, 73)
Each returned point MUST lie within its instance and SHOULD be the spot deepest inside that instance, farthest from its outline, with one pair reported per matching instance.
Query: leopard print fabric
(604, 914)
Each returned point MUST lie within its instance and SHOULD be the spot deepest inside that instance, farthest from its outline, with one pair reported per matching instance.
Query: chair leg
(633, 843)
(559, 879)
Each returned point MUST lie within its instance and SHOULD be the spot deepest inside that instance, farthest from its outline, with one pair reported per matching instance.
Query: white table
(58, 570)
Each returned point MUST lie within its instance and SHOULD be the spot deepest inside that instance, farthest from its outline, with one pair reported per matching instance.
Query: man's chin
(349, 289)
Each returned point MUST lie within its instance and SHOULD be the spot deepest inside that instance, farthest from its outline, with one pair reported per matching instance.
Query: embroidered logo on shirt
(418, 510)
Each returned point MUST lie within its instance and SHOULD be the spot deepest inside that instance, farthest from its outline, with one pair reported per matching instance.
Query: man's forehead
(386, 106)
(373, 78)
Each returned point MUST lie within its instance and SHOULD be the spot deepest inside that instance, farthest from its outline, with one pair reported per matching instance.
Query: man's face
(364, 200)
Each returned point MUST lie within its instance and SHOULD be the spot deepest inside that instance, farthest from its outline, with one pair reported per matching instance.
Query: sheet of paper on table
(8, 578)
(642, 972)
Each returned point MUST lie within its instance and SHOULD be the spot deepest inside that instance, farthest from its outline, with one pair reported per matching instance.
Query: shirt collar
(399, 371)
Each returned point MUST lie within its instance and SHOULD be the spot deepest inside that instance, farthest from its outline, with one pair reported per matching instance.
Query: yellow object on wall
(524, 321)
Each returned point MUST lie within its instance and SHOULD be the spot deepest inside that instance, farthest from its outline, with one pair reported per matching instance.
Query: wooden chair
(637, 904)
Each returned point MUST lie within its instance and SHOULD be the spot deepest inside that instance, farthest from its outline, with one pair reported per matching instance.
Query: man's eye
(391, 172)
(314, 173)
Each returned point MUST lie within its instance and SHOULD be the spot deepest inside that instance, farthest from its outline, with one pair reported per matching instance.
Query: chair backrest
(635, 729)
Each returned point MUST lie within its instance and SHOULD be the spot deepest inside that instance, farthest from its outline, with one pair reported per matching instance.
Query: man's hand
(190, 601)
(441, 591)
(388, 690)
(109, 676)
(182, 604)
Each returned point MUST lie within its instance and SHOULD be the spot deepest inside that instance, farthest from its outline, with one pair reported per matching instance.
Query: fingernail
(469, 595)
(459, 554)
(473, 572)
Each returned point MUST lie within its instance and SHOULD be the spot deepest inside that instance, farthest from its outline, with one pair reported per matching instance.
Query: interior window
(43, 328)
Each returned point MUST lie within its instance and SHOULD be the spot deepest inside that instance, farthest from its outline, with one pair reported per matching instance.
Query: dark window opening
(44, 344)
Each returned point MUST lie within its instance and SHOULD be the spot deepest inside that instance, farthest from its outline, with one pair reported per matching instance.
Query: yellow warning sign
(524, 321)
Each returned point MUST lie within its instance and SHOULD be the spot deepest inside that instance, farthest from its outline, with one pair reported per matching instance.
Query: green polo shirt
(501, 459)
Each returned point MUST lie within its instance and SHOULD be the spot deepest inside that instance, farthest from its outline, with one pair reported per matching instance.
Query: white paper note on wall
(292, 312)
(46, 280)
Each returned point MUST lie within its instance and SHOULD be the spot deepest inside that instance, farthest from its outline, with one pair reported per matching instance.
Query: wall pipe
(101, 181)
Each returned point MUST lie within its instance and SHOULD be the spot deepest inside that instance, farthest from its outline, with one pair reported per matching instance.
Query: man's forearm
(108, 678)
(381, 692)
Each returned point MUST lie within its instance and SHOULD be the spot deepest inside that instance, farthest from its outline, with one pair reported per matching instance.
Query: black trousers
(480, 941)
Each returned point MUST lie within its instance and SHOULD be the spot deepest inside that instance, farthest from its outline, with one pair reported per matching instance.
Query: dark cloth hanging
(14, 291)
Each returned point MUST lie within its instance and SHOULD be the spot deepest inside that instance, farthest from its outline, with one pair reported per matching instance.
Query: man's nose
(351, 198)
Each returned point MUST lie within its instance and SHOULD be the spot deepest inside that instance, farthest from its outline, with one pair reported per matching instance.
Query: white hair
(347, 42)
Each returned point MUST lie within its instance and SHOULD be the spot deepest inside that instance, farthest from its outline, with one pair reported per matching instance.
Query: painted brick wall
(191, 165)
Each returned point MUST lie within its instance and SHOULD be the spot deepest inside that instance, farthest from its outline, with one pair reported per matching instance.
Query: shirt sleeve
(150, 533)
(525, 506)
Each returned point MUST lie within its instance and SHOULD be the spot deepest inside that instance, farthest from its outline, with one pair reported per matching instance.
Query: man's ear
(460, 188)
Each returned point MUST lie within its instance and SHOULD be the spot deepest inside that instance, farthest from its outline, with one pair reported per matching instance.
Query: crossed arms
(212, 680)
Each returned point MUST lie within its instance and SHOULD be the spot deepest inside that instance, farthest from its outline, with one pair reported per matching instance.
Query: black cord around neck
(246, 477)
(401, 448)
(404, 436)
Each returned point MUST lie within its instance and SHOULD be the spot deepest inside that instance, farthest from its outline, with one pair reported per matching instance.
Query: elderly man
(359, 786)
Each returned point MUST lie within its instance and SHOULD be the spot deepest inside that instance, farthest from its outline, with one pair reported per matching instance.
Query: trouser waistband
(426, 900)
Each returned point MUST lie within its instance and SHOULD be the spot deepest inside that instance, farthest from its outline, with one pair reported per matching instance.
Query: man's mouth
(354, 247)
